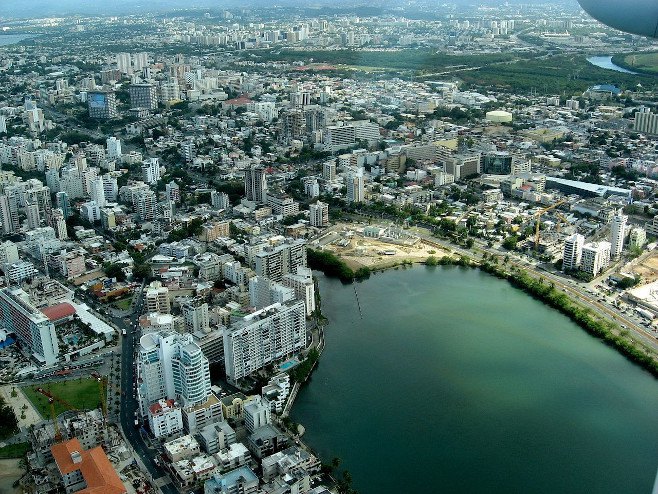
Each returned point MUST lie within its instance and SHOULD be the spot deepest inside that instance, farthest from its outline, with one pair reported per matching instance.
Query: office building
(34, 331)
(102, 105)
(595, 258)
(264, 337)
(617, 234)
(573, 251)
(143, 96)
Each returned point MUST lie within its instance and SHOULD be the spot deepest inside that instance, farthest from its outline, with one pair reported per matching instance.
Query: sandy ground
(17, 403)
(10, 471)
(645, 266)
(368, 252)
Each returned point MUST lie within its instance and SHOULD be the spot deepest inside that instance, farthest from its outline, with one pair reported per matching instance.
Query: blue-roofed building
(239, 481)
(602, 91)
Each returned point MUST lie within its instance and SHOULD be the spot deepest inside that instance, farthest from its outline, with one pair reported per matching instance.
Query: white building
(617, 234)
(596, 257)
(303, 285)
(319, 214)
(637, 237)
(151, 170)
(354, 183)
(113, 148)
(264, 337)
(172, 366)
(573, 250)
(165, 418)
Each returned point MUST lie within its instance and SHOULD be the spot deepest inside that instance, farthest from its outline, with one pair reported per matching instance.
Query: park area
(75, 394)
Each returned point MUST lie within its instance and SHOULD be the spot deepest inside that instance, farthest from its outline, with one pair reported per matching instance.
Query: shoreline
(608, 332)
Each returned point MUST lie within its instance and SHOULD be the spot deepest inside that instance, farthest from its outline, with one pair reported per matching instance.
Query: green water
(455, 382)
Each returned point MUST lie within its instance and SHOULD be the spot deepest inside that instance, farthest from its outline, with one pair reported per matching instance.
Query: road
(129, 404)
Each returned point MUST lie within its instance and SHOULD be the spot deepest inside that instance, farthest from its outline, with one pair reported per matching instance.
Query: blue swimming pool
(288, 364)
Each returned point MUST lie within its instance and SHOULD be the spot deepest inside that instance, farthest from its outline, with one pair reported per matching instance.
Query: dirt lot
(645, 266)
(369, 252)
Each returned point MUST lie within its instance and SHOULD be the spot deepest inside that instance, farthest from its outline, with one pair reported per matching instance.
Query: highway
(129, 404)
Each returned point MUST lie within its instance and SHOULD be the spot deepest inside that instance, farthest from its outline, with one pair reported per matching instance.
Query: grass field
(124, 303)
(14, 451)
(645, 62)
(81, 394)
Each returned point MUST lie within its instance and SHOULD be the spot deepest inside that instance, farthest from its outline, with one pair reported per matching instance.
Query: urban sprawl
(169, 182)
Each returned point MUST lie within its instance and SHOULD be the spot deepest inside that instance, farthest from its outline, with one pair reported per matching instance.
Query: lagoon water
(607, 63)
(10, 39)
(456, 382)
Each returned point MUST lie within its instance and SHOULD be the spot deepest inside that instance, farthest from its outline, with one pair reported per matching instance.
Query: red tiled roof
(96, 469)
(59, 311)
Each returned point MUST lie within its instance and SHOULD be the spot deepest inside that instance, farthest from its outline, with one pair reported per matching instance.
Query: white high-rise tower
(617, 234)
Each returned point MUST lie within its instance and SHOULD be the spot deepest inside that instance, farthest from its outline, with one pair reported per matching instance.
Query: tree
(510, 242)
(114, 270)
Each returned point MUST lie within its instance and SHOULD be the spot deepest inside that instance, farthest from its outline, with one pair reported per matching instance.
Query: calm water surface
(454, 381)
(10, 39)
(607, 63)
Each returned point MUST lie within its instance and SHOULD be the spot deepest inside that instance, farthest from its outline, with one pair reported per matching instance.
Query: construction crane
(102, 393)
(51, 402)
(539, 214)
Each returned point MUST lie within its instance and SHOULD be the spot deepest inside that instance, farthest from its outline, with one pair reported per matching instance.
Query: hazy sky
(41, 8)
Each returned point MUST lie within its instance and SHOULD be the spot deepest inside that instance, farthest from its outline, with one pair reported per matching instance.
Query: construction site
(377, 246)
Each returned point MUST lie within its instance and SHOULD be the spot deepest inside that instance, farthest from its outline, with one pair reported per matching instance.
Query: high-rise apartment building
(195, 315)
(617, 234)
(9, 212)
(255, 184)
(354, 183)
(329, 171)
(573, 251)
(171, 366)
(596, 257)
(34, 331)
(62, 202)
(151, 170)
(318, 214)
(113, 147)
(275, 262)
(264, 337)
(646, 122)
(156, 298)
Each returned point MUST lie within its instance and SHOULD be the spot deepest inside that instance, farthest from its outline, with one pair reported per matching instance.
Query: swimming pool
(288, 364)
